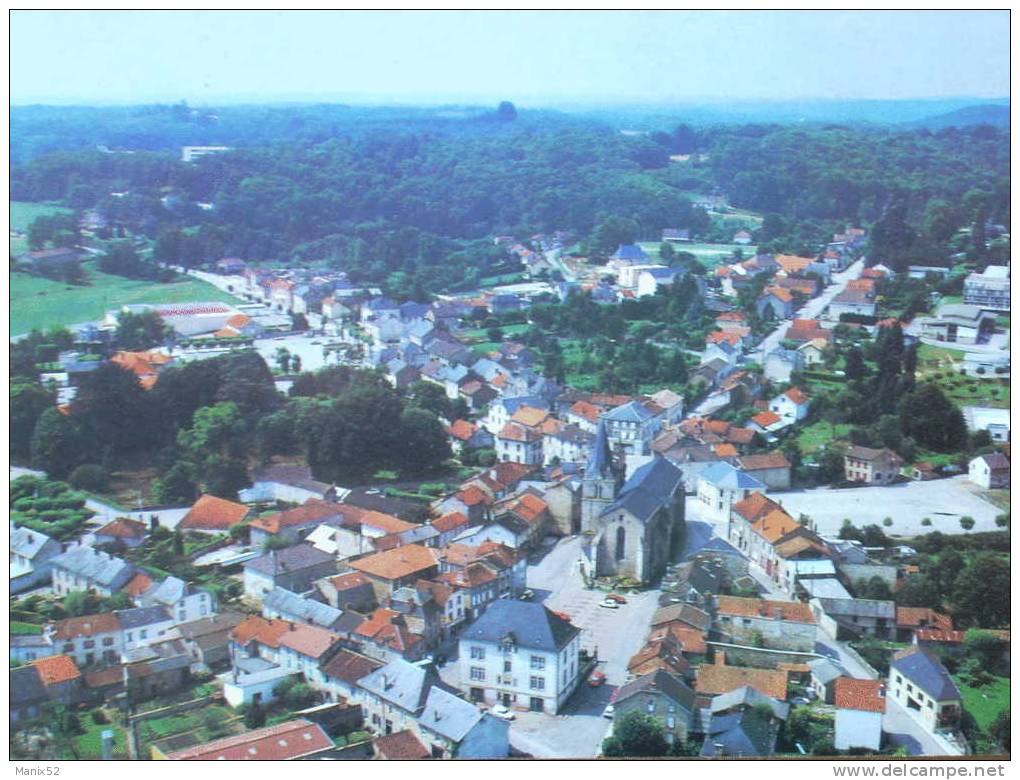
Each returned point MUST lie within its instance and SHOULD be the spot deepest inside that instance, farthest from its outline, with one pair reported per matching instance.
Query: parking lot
(944, 501)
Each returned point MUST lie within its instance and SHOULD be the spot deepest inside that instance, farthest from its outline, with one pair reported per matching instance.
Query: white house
(631, 427)
(721, 486)
(990, 471)
(792, 406)
(860, 707)
(521, 655)
(921, 685)
(184, 602)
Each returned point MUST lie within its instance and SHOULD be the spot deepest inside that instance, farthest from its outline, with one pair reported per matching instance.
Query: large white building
(520, 655)
(989, 290)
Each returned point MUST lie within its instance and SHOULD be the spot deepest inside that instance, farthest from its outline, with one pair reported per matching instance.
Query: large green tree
(636, 735)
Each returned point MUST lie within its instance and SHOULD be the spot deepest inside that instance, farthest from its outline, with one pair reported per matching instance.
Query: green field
(812, 437)
(43, 303)
(986, 702)
(709, 255)
(935, 364)
(22, 215)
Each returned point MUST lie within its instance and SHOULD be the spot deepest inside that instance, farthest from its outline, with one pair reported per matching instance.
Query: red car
(596, 679)
(617, 598)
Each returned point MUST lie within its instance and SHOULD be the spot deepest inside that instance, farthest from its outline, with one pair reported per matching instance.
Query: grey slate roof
(601, 461)
(26, 686)
(724, 475)
(28, 543)
(859, 607)
(290, 603)
(631, 411)
(141, 616)
(825, 671)
(662, 682)
(927, 673)
(744, 734)
(746, 696)
(449, 715)
(96, 566)
(402, 684)
(629, 252)
(649, 488)
(300, 556)
(168, 592)
(532, 626)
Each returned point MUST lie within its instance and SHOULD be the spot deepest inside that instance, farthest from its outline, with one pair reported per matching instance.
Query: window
(477, 653)
(89, 644)
(107, 641)
(538, 663)
(507, 665)
(899, 679)
(621, 543)
(671, 722)
(477, 673)
(650, 706)
(537, 683)
(143, 634)
(130, 636)
(69, 647)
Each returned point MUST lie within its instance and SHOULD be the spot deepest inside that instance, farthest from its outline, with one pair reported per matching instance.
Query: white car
(502, 712)
(608, 711)
(609, 604)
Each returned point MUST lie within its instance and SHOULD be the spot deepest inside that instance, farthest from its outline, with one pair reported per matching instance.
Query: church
(633, 528)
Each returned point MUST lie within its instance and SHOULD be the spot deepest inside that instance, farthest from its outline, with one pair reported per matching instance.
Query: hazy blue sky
(530, 57)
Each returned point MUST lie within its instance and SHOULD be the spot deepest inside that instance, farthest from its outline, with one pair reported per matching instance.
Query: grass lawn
(20, 628)
(709, 255)
(986, 702)
(44, 303)
(812, 437)
(482, 334)
(962, 390)
(998, 497)
(90, 744)
(22, 215)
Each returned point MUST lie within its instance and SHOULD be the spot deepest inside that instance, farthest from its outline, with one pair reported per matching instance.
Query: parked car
(609, 604)
(596, 679)
(617, 598)
(502, 712)
(608, 711)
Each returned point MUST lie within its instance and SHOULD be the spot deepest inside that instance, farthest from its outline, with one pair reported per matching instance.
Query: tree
(28, 400)
(980, 594)
(855, 367)
(58, 443)
(425, 444)
(254, 716)
(81, 602)
(636, 735)
(966, 522)
(175, 486)
(1000, 731)
(506, 111)
(429, 396)
(931, 419)
(90, 476)
(282, 356)
(141, 330)
(114, 410)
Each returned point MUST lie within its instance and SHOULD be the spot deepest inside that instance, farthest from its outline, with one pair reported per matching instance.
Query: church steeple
(600, 464)
(601, 481)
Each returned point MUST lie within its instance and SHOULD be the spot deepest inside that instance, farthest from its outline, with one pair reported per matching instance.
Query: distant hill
(995, 115)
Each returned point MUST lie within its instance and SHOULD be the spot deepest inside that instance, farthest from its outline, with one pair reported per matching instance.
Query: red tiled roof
(462, 429)
(282, 742)
(308, 640)
(863, 695)
(312, 510)
(449, 522)
(714, 679)
(764, 460)
(717, 336)
(920, 617)
(789, 611)
(765, 419)
(528, 507)
(400, 745)
(473, 495)
(123, 528)
(349, 581)
(796, 395)
(529, 416)
(585, 410)
(89, 625)
(56, 669)
(514, 432)
(211, 513)
(385, 522)
(259, 629)
(775, 525)
(755, 506)
(939, 635)
(398, 563)
(349, 666)
(138, 584)
(778, 292)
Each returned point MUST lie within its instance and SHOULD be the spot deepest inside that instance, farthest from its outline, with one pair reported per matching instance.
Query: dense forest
(420, 198)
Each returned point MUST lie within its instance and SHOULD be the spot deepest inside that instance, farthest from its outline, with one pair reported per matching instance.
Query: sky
(536, 58)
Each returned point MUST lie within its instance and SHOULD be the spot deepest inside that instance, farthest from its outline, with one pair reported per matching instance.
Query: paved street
(944, 501)
(811, 310)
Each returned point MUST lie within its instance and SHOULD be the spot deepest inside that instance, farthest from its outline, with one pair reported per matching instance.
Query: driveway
(944, 501)
(903, 730)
